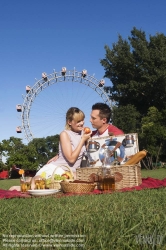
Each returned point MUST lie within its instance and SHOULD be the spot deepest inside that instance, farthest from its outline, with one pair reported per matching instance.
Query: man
(100, 117)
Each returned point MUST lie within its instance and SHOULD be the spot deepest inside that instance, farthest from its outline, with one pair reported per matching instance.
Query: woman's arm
(70, 155)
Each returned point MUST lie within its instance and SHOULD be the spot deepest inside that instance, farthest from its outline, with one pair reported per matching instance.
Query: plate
(42, 192)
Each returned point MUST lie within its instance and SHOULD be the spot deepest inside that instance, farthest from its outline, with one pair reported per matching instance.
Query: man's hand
(53, 159)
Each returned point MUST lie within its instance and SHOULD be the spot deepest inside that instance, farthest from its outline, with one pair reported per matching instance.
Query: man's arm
(53, 159)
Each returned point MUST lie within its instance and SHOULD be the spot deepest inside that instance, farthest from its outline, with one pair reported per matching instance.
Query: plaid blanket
(147, 183)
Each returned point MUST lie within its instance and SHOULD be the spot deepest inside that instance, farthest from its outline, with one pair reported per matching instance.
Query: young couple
(73, 140)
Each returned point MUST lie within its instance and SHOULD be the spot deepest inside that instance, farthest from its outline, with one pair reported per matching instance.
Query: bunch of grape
(48, 181)
(58, 177)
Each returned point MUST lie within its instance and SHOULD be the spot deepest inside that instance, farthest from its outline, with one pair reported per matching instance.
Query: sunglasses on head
(76, 110)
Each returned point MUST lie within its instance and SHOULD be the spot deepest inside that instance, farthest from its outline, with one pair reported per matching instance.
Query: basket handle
(66, 166)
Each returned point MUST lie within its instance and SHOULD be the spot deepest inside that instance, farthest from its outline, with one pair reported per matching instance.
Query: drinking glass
(25, 184)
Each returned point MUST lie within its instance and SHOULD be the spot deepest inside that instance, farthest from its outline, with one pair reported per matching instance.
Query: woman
(71, 146)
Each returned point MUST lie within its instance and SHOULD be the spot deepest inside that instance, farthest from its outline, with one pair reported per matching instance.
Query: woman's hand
(86, 137)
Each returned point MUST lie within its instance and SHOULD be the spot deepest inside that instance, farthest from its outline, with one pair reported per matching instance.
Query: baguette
(136, 158)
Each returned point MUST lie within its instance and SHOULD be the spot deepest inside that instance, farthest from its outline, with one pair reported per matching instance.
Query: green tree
(46, 148)
(11, 146)
(126, 118)
(24, 158)
(136, 69)
(3, 166)
(153, 134)
(40, 146)
(36, 153)
(18, 154)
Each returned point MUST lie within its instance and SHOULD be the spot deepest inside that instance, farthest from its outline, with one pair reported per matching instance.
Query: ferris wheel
(45, 104)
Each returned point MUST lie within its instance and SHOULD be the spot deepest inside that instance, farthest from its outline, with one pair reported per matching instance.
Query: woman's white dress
(62, 161)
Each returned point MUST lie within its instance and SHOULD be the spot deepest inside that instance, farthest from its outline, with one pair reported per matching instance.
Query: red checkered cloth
(147, 183)
(12, 194)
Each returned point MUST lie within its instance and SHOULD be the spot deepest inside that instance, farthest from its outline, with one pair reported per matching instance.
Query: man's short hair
(104, 110)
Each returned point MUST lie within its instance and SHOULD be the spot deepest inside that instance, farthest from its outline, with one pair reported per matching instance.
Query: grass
(157, 173)
(6, 184)
(131, 220)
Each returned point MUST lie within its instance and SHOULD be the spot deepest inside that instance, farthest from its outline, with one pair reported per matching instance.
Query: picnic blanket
(147, 183)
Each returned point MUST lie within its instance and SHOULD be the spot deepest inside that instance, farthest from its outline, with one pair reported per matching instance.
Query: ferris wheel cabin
(19, 108)
(101, 83)
(84, 72)
(18, 129)
(28, 88)
(63, 72)
(44, 76)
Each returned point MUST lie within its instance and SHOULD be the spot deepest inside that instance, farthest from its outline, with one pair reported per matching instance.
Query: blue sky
(39, 36)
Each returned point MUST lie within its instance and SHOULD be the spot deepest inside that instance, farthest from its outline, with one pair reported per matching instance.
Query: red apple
(66, 176)
(87, 130)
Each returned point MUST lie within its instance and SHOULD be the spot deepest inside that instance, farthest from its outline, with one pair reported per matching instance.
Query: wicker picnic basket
(131, 175)
(75, 187)
(55, 184)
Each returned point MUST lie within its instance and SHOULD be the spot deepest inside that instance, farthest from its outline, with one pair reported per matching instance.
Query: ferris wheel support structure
(53, 78)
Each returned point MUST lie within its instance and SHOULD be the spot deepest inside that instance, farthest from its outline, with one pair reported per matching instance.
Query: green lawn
(6, 184)
(157, 173)
(122, 221)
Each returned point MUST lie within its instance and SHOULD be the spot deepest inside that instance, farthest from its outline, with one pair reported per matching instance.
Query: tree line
(31, 156)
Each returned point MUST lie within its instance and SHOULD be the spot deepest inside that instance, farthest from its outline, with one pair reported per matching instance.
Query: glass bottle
(107, 180)
(115, 162)
(107, 156)
(84, 161)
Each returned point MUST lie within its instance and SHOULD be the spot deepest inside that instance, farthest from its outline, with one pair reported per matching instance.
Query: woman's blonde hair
(75, 114)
